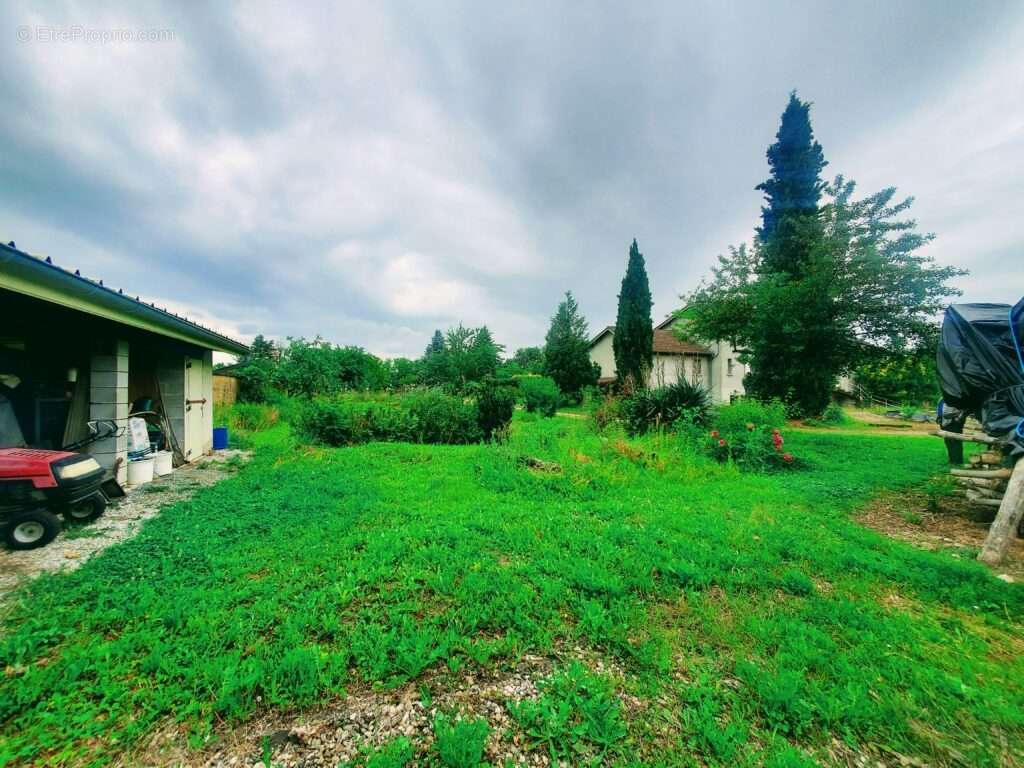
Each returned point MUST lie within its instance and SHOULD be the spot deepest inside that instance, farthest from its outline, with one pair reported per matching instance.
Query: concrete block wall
(108, 399)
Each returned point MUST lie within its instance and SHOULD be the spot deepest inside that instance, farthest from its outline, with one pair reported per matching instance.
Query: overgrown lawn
(755, 623)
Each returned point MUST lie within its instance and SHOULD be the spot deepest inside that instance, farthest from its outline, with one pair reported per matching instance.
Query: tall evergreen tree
(567, 350)
(436, 344)
(633, 341)
(796, 161)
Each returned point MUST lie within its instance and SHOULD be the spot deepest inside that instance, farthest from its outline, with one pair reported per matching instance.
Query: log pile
(983, 481)
(992, 480)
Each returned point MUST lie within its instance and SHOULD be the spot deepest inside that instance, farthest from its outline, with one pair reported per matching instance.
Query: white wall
(727, 381)
(603, 354)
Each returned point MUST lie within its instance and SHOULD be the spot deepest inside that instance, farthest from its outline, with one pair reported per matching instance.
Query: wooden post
(1004, 527)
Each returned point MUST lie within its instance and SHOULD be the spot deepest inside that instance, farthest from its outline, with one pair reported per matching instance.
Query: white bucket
(163, 465)
(140, 472)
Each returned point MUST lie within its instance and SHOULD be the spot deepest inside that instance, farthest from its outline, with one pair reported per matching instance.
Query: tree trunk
(1004, 527)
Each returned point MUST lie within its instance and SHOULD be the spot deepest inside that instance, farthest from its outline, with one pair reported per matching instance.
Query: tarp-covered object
(981, 366)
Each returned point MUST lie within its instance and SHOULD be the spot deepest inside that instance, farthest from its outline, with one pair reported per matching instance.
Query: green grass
(749, 616)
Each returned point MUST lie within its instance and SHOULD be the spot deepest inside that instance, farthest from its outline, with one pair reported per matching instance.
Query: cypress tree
(789, 227)
(633, 341)
(436, 344)
(567, 350)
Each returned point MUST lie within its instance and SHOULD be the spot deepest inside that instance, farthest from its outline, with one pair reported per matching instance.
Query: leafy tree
(466, 355)
(567, 350)
(261, 349)
(529, 359)
(633, 341)
(317, 367)
(256, 371)
(863, 286)
(907, 377)
(403, 372)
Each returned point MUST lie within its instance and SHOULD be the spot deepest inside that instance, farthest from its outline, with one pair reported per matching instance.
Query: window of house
(728, 367)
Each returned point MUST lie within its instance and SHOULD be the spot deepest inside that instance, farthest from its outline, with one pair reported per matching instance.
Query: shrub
(737, 415)
(347, 421)
(663, 407)
(833, 414)
(540, 394)
(460, 741)
(442, 418)
(495, 405)
(604, 411)
(755, 447)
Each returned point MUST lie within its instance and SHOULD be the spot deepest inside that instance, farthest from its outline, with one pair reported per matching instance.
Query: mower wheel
(31, 529)
(86, 510)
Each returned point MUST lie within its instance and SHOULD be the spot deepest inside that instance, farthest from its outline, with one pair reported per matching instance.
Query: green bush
(423, 416)
(649, 409)
(348, 421)
(834, 414)
(540, 394)
(757, 447)
(442, 418)
(737, 415)
(495, 404)
(604, 411)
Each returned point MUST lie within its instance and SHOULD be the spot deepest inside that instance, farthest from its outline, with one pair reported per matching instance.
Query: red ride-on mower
(37, 485)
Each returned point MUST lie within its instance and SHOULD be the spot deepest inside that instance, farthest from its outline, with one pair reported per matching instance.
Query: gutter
(25, 274)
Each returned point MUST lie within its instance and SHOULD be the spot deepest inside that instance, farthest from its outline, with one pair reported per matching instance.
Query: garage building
(73, 350)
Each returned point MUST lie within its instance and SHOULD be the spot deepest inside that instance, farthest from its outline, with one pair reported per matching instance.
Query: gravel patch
(74, 545)
(368, 718)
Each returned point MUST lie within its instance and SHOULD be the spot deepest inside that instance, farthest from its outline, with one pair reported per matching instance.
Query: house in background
(716, 367)
(73, 350)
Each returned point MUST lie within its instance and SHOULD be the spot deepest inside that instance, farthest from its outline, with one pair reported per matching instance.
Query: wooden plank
(968, 437)
(984, 473)
(1004, 527)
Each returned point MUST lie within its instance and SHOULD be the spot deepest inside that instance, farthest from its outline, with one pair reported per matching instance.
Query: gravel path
(121, 521)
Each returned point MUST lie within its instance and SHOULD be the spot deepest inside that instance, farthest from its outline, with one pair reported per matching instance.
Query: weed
(460, 741)
(576, 717)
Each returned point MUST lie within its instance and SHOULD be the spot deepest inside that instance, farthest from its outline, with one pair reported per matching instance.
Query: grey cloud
(373, 171)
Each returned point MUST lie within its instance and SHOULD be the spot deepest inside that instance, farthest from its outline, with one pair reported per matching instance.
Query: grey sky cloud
(371, 171)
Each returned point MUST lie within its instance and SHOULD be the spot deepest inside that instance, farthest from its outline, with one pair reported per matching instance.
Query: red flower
(787, 457)
(714, 433)
(721, 443)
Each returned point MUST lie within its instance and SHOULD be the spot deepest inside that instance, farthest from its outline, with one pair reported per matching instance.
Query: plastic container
(140, 471)
(163, 464)
(220, 438)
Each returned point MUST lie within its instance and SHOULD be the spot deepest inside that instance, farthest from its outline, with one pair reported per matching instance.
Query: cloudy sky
(372, 171)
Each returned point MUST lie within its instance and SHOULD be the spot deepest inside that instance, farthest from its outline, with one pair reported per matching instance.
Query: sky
(372, 171)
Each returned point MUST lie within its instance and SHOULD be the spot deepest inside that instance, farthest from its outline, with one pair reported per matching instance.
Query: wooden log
(1004, 527)
(1003, 474)
(991, 457)
(980, 482)
(978, 493)
(986, 503)
(972, 437)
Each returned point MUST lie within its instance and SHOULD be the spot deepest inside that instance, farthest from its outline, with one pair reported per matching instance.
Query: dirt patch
(944, 523)
(74, 545)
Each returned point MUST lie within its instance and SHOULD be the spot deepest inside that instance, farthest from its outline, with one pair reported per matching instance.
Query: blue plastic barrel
(220, 438)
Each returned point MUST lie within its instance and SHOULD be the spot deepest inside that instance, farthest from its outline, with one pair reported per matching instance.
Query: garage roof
(23, 273)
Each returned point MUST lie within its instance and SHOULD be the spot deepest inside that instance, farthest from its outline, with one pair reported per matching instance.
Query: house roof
(39, 278)
(665, 342)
